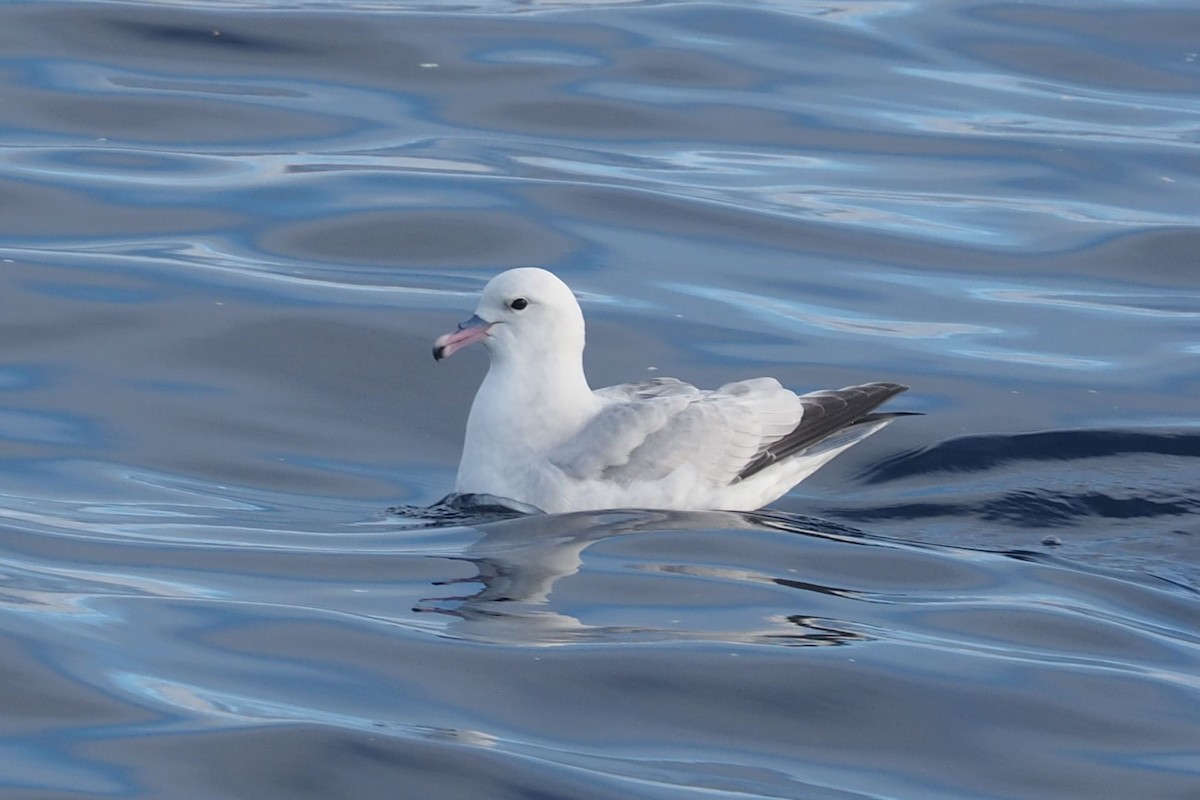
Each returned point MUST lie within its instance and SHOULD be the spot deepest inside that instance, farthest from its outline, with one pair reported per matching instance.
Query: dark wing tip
(825, 413)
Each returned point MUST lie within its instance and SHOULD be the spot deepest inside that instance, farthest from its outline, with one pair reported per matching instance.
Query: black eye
(518, 304)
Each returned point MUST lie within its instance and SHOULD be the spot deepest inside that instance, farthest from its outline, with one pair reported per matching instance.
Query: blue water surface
(230, 232)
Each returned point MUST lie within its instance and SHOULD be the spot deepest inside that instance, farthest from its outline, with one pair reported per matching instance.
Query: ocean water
(230, 231)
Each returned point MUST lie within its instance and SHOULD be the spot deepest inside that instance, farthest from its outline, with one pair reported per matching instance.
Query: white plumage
(539, 435)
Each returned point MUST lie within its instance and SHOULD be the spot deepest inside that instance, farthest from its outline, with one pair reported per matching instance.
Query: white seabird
(539, 435)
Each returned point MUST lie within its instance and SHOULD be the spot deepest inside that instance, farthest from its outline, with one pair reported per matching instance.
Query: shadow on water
(1067, 477)
(982, 452)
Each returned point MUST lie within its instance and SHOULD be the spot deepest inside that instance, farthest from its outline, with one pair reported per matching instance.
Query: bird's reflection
(521, 556)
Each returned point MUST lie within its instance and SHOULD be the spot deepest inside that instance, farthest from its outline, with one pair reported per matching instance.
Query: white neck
(527, 404)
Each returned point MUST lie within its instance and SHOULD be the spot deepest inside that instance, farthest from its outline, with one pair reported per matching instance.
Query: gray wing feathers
(613, 435)
(712, 436)
(652, 428)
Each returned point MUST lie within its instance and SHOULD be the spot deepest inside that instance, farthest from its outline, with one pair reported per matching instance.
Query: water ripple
(231, 231)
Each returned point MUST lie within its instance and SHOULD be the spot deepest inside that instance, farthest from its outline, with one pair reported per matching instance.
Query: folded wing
(650, 429)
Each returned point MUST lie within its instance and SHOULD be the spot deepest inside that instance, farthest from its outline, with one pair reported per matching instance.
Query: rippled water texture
(229, 233)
